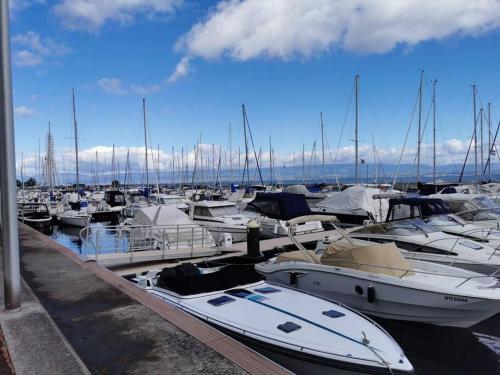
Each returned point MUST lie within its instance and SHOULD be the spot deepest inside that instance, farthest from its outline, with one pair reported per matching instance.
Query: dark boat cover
(281, 206)
(407, 208)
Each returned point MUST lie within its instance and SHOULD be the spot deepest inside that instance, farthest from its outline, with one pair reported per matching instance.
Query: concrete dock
(79, 318)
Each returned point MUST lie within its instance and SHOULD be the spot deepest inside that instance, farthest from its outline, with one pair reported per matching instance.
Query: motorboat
(36, 215)
(220, 217)
(166, 227)
(474, 208)
(377, 280)
(311, 197)
(356, 204)
(74, 218)
(272, 210)
(304, 333)
(420, 241)
(435, 212)
(170, 199)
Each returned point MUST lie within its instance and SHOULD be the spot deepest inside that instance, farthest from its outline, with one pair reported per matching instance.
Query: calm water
(431, 349)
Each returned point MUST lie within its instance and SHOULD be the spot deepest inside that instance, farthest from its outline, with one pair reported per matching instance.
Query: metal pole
(482, 151)
(76, 146)
(419, 125)
(475, 135)
(10, 239)
(356, 141)
(145, 145)
(489, 142)
(434, 131)
(322, 146)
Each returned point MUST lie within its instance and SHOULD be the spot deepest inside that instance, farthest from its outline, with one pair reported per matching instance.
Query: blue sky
(284, 66)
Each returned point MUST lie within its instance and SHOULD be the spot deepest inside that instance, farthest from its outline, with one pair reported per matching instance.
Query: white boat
(435, 212)
(74, 218)
(220, 217)
(356, 204)
(473, 208)
(166, 227)
(420, 241)
(272, 210)
(304, 333)
(377, 280)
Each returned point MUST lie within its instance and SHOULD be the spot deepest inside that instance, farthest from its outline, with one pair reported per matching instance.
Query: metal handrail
(144, 237)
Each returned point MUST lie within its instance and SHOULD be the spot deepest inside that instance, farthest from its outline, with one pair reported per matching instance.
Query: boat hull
(389, 301)
(75, 221)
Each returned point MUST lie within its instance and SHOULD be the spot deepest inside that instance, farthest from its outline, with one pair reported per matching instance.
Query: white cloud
(180, 71)
(90, 15)
(30, 49)
(286, 29)
(23, 111)
(19, 5)
(118, 87)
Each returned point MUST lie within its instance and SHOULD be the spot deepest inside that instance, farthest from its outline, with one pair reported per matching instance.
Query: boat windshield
(168, 200)
(444, 221)
(400, 228)
(481, 215)
(223, 211)
(484, 202)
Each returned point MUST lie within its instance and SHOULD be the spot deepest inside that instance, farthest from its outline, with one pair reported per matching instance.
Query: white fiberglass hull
(426, 298)
(320, 345)
(81, 221)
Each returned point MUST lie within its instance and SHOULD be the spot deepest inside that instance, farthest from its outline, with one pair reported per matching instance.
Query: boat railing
(405, 272)
(134, 240)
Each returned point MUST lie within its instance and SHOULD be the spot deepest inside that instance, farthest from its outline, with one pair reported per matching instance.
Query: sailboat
(75, 216)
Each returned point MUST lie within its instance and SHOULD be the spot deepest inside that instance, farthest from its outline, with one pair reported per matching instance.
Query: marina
(249, 187)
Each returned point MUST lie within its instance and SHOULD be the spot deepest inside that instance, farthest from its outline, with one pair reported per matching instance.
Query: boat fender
(370, 294)
(358, 290)
(294, 276)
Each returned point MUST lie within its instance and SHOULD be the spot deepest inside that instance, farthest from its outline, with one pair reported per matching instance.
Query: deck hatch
(241, 293)
(267, 290)
(221, 300)
(288, 327)
(333, 314)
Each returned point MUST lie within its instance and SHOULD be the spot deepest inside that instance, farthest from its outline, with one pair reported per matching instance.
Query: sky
(196, 63)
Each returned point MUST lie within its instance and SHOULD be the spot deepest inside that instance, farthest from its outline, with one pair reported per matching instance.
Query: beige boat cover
(296, 256)
(384, 258)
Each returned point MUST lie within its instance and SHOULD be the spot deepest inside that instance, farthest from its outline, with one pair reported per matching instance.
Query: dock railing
(99, 243)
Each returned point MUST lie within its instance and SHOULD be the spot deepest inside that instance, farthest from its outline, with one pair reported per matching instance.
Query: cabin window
(267, 290)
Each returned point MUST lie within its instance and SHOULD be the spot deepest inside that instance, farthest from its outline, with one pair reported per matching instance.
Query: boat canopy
(409, 208)
(161, 215)
(296, 256)
(358, 198)
(301, 189)
(281, 206)
(385, 259)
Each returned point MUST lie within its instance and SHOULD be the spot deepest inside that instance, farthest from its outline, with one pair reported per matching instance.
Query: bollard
(253, 240)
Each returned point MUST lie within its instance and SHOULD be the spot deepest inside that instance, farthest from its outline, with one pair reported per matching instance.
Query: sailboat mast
(145, 144)
(419, 135)
(356, 140)
(76, 145)
(230, 155)
(270, 161)
(475, 134)
(304, 162)
(322, 144)
(482, 151)
(489, 142)
(434, 130)
(246, 142)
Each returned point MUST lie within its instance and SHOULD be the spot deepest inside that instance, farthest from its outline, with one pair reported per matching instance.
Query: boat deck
(111, 326)
(237, 249)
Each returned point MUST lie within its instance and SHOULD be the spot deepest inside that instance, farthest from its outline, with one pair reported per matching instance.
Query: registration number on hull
(455, 299)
